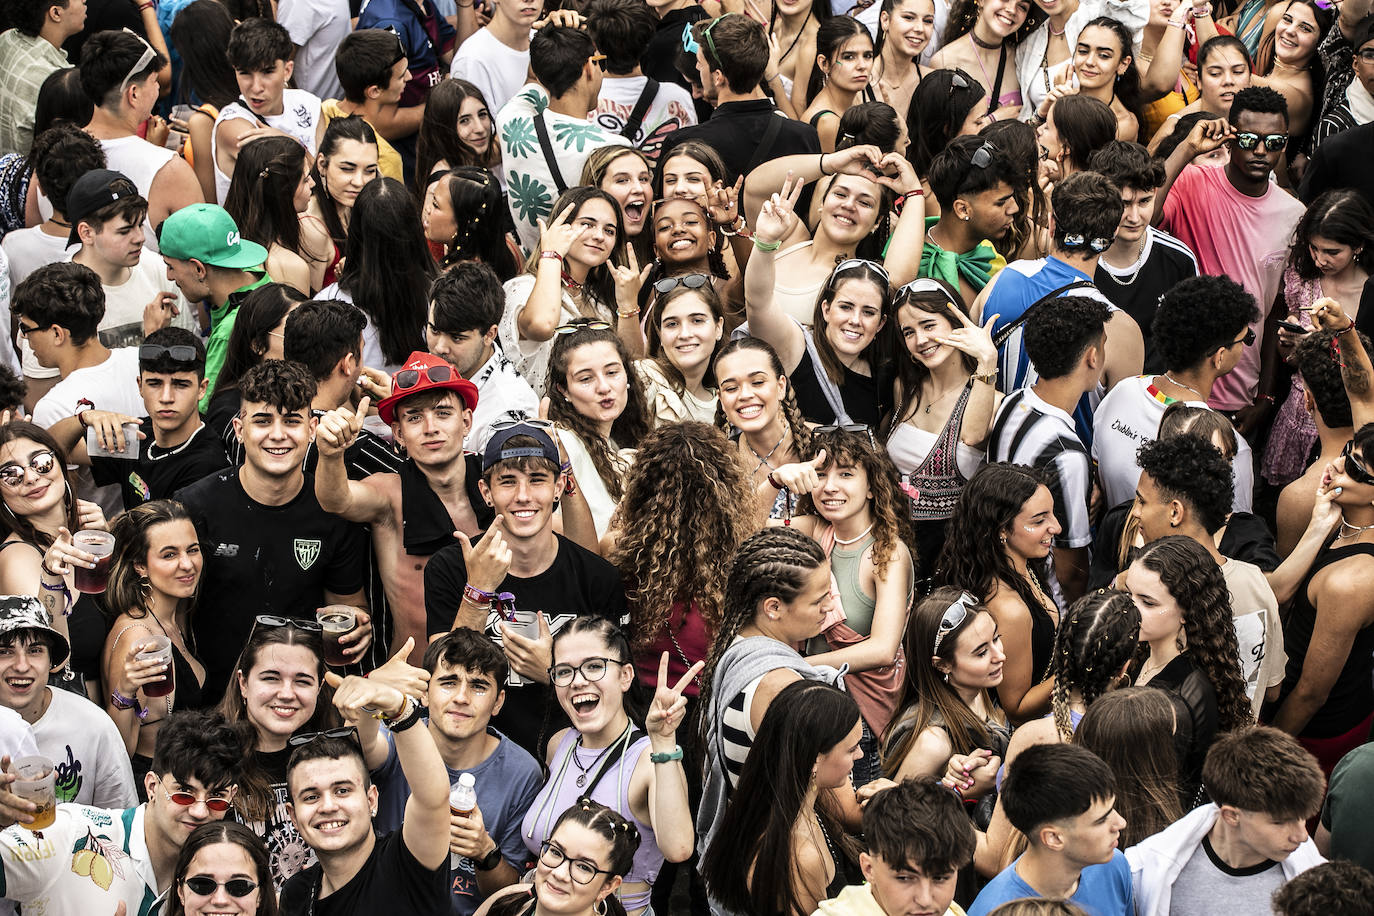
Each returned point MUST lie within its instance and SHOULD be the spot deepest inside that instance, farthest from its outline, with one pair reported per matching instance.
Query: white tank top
(139, 161)
(299, 117)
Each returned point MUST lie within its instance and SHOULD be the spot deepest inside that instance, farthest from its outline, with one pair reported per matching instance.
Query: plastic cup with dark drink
(159, 648)
(336, 620)
(37, 784)
(101, 545)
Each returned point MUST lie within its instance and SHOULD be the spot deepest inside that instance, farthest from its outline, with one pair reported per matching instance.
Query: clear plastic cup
(336, 620)
(101, 544)
(526, 624)
(159, 649)
(37, 784)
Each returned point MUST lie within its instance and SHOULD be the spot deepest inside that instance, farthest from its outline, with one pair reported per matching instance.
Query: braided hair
(772, 563)
(791, 412)
(1096, 638)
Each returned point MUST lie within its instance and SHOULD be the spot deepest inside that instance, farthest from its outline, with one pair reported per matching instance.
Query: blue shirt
(506, 782)
(425, 35)
(1103, 890)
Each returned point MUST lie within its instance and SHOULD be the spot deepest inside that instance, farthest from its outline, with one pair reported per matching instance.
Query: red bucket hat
(425, 372)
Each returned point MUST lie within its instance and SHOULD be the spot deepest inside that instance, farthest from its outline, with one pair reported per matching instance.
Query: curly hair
(1097, 636)
(1195, 582)
(772, 563)
(278, 383)
(791, 412)
(1333, 888)
(1342, 216)
(935, 297)
(889, 507)
(973, 558)
(925, 689)
(1192, 471)
(1199, 316)
(1319, 364)
(1060, 330)
(688, 502)
(629, 428)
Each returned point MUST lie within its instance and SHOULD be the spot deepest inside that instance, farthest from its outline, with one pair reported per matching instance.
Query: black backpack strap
(631, 130)
(996, 92)
(763, 152)
(546, 145)
(1004, 335)
(249, 108)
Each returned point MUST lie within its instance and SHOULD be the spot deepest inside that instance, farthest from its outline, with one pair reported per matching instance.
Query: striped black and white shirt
(1032, 432)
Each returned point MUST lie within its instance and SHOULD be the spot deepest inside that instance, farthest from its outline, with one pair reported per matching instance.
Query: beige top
(666, 404)
(1259, 632)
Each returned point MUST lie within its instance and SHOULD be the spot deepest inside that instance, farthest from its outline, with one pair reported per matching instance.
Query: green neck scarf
(977, 266)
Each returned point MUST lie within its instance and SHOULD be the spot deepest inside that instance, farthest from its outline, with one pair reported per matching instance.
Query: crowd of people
(749, 457)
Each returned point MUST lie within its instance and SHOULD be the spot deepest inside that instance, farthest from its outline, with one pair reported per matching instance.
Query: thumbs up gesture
(802, 477)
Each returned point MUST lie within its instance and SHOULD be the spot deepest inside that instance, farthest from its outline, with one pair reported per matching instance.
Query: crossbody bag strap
(614, 754)
(996, 94)
(1008, 329)
(546, 145)
(631, 130)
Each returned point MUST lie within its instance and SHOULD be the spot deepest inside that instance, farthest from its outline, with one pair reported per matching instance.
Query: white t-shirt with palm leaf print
(531, 188)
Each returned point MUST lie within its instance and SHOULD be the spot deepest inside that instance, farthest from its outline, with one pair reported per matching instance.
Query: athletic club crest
(307, 552)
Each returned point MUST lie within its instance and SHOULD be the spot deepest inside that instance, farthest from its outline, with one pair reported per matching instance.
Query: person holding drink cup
(40, 511)
(154, 577)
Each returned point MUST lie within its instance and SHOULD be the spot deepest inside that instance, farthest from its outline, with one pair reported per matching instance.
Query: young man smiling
(269, 547)
(521, 554)
(1063, 798)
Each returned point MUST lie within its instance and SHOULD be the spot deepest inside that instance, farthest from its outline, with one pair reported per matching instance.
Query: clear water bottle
(462, 799)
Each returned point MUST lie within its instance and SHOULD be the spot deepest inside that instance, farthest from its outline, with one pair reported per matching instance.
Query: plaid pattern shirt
(27, 61)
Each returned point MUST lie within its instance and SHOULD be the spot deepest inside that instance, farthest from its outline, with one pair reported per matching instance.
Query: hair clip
(1074, 240)
(1100, 245)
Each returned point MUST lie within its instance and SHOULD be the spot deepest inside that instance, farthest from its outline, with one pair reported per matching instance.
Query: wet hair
(919, 824)
(926, 691)
(697, 151)
(467, 297)
(865, 272)
(200, 745)
(1095, 639)
(622, 30)
(321, 332)
(63, 293)
(470, 650)
(1133, 730)
(831, 36)
(1319, 364)
(939, 107)
(805, 720)
(255, 798)
(479, 213)
(387, 268)
(629, 428)
(600, 285)
(1061, 330)
(279, 383)
(438, 140)
(1199, 316)
(1053, 782)
(229, 833)
(21, 525)
(688, 502)
(262, 191)
(106, 59)
(1264, 770)
(200, 33)
(1193, 472)
(787, 406)
(60, 156)
(1087, 211)
(1335, 888)
(349, 127)
(256, 318)
(653, 333)
(365, 59)
(128, 591)
(1196, 584)
(62, 99)
(1129, 166)
(869, 123)
(944, 302)
(737, 47)
(558, 55)
(257, 44)
(1344, 217)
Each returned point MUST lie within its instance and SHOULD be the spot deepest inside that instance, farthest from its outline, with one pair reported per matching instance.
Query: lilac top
(561, 792)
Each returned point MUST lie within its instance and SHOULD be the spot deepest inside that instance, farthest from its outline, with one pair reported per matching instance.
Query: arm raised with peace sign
(670, 814)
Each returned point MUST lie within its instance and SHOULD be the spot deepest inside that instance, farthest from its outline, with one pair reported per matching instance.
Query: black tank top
(858, 392)
(1352, 695)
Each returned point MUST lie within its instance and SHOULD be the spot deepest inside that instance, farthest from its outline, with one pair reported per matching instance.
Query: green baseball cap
(208, 233)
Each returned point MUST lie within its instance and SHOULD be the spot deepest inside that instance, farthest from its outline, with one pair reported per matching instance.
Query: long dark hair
(1096, 638)
(600, 284)
(1015, 140)
(790, 410)
(255, 319)
(1127, 85)
(438, 139)
(351, 127)
(942, 300)
(696, 151)
(262, 191)
(14, 524)
(200, 33)
(1195, 582)
(832, 35)
(973, 557)
(234, 834)
(255, 800)
(479, 211)
(629, 428)
(939, 107)
(865, 271)
(128, 591)
(1085, 125)
(654, 341)
(1265, 57)
(805, 720)
(1343, 216)
(388, 269)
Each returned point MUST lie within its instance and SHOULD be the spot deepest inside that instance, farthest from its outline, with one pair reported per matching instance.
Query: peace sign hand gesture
(975, 341)
(776, 217)
(669, 705)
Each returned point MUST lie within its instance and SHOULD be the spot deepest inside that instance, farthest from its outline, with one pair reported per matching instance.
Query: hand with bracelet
(629, 279)
(722, 205)
(557, 236)
(801, 478)
(667, 710)
(61, 559)
(487, 561)
(776, 218)
(977, 342)
(137, 673)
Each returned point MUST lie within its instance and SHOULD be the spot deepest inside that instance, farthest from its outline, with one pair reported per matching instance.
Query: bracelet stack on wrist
(476, 597)
(767, 246)
(550, 255)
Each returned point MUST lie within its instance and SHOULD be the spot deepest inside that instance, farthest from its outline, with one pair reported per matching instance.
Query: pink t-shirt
(1237, 236)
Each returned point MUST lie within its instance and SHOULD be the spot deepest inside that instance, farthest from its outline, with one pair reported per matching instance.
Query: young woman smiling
(844, 62)
(905, 28)
(605, 755)
(1047, 52)
(999, 538)
(583, 269)
(598, 403)
(1288, 62)
(222, 871)
(346, 162)
(277, 691)
(684, 333)
(980, 37)
(626, 174)
(945, 404)
(687, 252)
(1105, 67)
(456, 131)
(154, 574)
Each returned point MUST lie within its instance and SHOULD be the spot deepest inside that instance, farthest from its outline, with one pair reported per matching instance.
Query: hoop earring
(600, 908)
(70, 496)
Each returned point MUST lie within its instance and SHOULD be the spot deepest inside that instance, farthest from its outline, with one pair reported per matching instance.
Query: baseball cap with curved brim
(425, 372)
(208, 234)
(497, 450)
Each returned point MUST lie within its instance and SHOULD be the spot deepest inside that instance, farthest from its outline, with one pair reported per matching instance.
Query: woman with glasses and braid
(277, 691)
(606, 755)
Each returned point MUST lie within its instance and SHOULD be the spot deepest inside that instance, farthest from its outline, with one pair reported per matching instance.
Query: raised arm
(767, 320)
(539, 318)
(768, 178)
(1356, 372)
(1326, 515)
(352, 499)
(670, 813)
(1203, 138)
(908, 239)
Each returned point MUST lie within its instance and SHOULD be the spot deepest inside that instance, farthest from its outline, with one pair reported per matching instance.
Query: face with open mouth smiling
(850, 210)
(280, 691)
(843, 492)
(274, 441)
(524, 498)
(853, 316)
(591, 705)
(627, 179)
(25, 662)
(1032, 532)
(682, 237)
(751, 391)
(1003, 17)
(922, 332)
(1297, 34)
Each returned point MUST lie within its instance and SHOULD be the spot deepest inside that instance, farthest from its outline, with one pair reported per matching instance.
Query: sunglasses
(691, 281)
(400, 46)
(582, 325)
(953, 618)
(689, 44)
(862, 262)
(501, 425)
(409, 378)
(12, 475)
(205, 886)
(148, 56)
(710, 42)
(1272, 142)
(593, 669)
(1248, 340)
(185, 799)
(1355, 468)
(346, 731)
(957, 80)
(181, 354)
(269, 620)
(856, 428)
